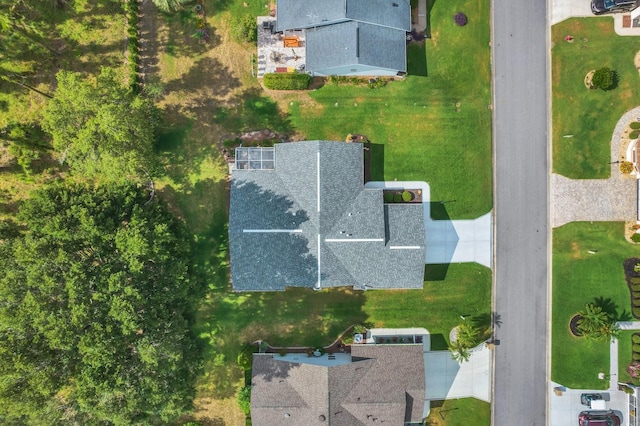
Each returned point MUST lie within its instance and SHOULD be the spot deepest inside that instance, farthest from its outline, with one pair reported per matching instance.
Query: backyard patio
(279, 52)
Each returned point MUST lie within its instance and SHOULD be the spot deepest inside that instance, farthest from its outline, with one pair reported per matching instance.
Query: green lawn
(459, 412)
(424, 137)
(579, 278)
(624, 355)
(303, 317)
(589, 115)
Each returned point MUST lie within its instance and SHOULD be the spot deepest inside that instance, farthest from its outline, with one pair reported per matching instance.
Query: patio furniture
(291, 41)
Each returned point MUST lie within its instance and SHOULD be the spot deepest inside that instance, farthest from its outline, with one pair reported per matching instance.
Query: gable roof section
(311, 223)
(355, 43)
(299, 14)
(382, 384)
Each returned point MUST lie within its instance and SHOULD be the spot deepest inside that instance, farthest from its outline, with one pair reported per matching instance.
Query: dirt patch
(575, 251)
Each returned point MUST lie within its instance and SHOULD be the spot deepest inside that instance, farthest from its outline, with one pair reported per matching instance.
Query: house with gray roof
(300, 215)
(379, 384)
(349, 37)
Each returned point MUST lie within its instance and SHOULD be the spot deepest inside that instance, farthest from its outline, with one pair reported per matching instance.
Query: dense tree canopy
(96, 303)
(100, 127)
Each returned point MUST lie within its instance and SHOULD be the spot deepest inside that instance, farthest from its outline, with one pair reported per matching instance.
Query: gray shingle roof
(311, 221)
(384, 382)
(298, 14)
(355, 43)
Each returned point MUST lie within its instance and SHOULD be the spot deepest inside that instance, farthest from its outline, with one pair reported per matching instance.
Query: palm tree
(595, 323)
(467, 334)
(459, 351)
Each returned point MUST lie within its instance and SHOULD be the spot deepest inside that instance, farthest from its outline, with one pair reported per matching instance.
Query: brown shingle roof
(383, 383)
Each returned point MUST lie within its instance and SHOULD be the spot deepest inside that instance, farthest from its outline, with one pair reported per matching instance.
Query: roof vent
(322, 418)
(394, 4)
(287, 415)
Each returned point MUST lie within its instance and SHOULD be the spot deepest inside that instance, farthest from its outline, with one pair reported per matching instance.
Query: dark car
(598, 418)
(599, 7)
(586, 398)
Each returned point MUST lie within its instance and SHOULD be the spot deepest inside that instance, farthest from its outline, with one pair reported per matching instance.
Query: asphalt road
(521, 211)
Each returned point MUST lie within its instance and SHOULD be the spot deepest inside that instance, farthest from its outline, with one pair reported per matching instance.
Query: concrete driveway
(564, 9)
(565, 407)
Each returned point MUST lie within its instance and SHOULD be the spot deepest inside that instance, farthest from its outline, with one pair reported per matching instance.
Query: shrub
(245, 29)
(634, 280)
(626, 167)
(460, 19)
(634, 134)
(636, 347)
(635, 287)
(635, 238)
(374, 83)
(282, 351)
(244, 399)
(635, 356)
(286, 81)
(603, 78)
(635, 338)
(635, 125)
(245, 357)
(636, 312)
(388, 197)
(406, 196)
(359, 329)
(397, 197)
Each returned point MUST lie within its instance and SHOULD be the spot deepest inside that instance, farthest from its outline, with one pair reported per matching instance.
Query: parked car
(598, 418)
(586, 398)
(600, 7)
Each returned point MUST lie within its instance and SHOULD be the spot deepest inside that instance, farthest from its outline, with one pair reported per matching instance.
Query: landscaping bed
(632, 276)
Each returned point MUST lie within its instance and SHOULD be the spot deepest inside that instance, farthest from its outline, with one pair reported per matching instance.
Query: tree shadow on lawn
(206, 81)
(609, 307)
(250, 110)
(182, 27)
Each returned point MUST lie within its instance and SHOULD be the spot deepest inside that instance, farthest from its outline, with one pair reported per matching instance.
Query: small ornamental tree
(603, 78)
(460, 19)
(245, 29)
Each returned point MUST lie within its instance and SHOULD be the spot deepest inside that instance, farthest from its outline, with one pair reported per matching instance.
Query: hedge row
(131, 12)
(286, 81)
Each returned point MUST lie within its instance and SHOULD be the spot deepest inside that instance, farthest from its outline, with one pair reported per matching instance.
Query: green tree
(603, 78)
(101, 128)
(98, 300)
(594, 323)
(245, 28)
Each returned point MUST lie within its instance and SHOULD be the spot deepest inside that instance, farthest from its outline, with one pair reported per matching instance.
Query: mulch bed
(633, 283)
(573, 325)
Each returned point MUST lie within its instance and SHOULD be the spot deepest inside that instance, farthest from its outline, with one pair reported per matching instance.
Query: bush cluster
(286, 81)
(131, 12)
(635, 125)
(603, 78)
(634, 134)
(626, 167)
(373, 83)
(460, 19)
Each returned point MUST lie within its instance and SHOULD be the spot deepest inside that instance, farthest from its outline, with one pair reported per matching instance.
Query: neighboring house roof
(310, 222)
(355, 43)
(385, 384)
(299, 14)
(357, 37)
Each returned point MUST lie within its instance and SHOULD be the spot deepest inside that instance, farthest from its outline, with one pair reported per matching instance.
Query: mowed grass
(580, 278)
(624, 355)
(589, 115)
(424, 137)
(459, 412)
